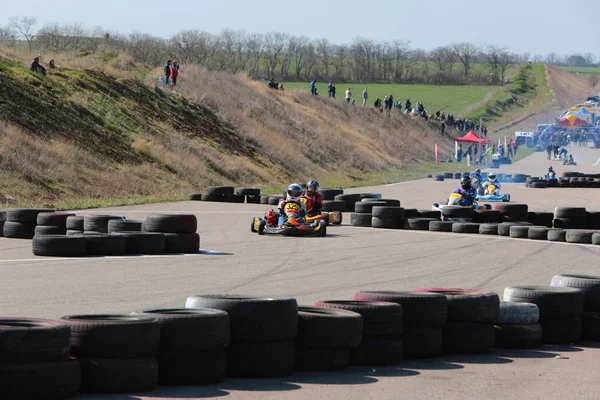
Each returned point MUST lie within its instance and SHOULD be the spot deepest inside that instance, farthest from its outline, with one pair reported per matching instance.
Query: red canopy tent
(471, 137)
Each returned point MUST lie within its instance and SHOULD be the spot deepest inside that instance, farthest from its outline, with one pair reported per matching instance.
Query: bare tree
(466, 53)
(505, 60)
(401, 51)
(324, 50)
(538, 59)
(552, 58)
(69, 37)
(7, 36)
(492, 54)
(275, 44)
(192, 46)
(23, 26)
(444, 57)
(339, 53)
(299, 50)
(146, 48)
(255, 46)
(589, 59)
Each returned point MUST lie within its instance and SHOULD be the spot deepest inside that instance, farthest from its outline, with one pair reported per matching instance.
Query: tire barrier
(518, 326)
(21, 222)
(568, 180)
(228, 194)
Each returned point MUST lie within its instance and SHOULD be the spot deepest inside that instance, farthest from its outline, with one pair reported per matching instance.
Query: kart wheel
(261, 227)
(252, 226)
(323, 229)
(507, 198)
(325, 215)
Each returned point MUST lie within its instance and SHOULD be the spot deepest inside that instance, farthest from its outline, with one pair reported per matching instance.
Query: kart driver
(492, 180)
(570, 160)
(294, 191)
(467, 191)
(315, 200)
(551, 175)
(478, 175)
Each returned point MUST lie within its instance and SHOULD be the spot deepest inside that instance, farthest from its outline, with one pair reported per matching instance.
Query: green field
(457, 100)
(583, 70)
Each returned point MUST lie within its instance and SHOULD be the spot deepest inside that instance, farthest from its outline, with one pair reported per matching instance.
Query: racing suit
(283, 217)
(468, 196)
(314, 203)
(495, 183)
(478, 186)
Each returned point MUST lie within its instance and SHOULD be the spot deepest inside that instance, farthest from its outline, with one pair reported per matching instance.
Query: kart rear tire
(322, 229)
(261, 227)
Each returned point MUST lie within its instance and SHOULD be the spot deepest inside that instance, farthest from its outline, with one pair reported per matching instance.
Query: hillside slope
(86, 134)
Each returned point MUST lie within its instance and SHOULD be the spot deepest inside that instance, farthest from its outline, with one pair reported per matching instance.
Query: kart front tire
(261, 227)
(323, 229)
(252, 226)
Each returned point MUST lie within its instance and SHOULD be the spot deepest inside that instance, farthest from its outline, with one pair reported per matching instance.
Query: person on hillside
(331, 90)
(51, 64)
(482, 155)
(443, 128)
(390, 102)
(281, 87)
(365, 97)
(174, 73)
(313, 87)
(515, 148)
(314, 202)
(377, 103)
(509, 147)
(407, 105)
(348, 95)
(167, 71)
(37, 67)
(467, 191)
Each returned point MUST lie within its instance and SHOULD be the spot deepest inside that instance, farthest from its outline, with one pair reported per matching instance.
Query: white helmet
(294, 191)
(492, 177)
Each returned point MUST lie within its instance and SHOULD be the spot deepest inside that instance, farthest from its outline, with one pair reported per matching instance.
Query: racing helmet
(312, 187)
(465, 182)
(492, 177)
(477, 171)
(294, 191)
(550, 168)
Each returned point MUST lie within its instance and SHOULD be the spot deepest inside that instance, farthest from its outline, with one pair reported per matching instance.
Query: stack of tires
(52, 223)
(250, 195)
(590, 286)
(60, 246)
(452, 212)
(2, 220)
(116, 352)
(424, 315)
(334, 208)
(35, 360)
(325, 338)
(263, 332)
(382, 331)
(518, 326)
(504, 227)
(513, 212)
(222, 193)
(560, 310)
(75, 225)
(570, 218)
(387, 217)
(20, 222)
(471, 317)
(350, 200)
(329, 194)
(584, 236)
(271, 200)
(363, 213)
(178, 232)
(541, 218)
(98, 224)
(124, 225)
(192, 345)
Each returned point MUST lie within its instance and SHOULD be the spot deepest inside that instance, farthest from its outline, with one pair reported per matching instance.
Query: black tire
(117, 225)
(43, 381)
(350, 200)
(32, 340)
(212, 197)
(541, 218)
(488, 229)
(518, 313)
(553, 302)
(334, 205)
(590, 326)
(469, 305)
(59, 246)
(565, 330)
(171, 223)
(75, 223)
(54, 219)
(195, 196)
(588, 284)
(182, 243)
(426, 310)
(143, 242)
(458, 212)
(441, 226)
(579, 236)
(261, 227)
(516, 218)
(73, 233)
(595, 238)
(569, 212)
(456, 175)
(411, 213)
(248, 192)
(557, 235)
(367, 207)
(592, 220)
(328, 328)
(538, 233)
(264, 199)
(113, 336)
(361, 219)
(19, 230)
(318, 359)
(370, 196)
(329, 194)
(504, 228)
(468, 338)
(251, 199)
(438, 178)
(273, 359)
(190, 330)
(512, 209)
(253, 318)
(25, 215)
(448, 175)
(387, 223)
(274, 200)
(569, 223)
(466, 227)
(106, 245)
(377, 352)
(434, 214)
(518, 336)
(98, 223)
(118, 375)
(422, 342)
(380, 319)
(198, 368)
(420, 224)
(391, 202)
(519, 232)
(487, 216)
(538, 185)
(220, 190)
(2, 229)
(43, 230)
(233, 198)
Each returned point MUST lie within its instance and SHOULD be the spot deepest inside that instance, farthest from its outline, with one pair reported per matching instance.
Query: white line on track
(597, 162)
(394, 184)
(142, 257)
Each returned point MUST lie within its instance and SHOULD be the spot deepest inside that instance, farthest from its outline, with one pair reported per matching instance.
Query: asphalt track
(350, 259)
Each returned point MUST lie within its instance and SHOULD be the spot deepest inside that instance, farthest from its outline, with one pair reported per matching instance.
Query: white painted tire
(518, 313)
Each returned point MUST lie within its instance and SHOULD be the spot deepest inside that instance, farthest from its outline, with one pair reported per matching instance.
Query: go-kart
(293, 225)
(453, 201)
(567, 162)
(492, 194)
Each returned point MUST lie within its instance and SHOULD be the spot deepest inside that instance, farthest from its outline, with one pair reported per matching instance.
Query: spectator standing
(482, 159)
(348, 95)
(167, 71)
(365, 97)
(443, 127)
(313, 87)
(331, 90)
(509, 152)
(549, 150)
(459, 153)
(515, 148)
(407, 105)
(174, 73)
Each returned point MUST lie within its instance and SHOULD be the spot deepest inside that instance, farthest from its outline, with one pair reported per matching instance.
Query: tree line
(289, 57)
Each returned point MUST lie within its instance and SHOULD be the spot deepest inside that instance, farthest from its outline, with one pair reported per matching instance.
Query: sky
(532, 26)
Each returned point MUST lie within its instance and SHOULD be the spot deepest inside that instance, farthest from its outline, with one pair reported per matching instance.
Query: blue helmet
(312, 187)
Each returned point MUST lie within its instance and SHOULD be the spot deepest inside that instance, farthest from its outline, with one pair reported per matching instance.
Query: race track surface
(233, 260)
